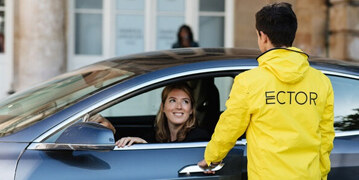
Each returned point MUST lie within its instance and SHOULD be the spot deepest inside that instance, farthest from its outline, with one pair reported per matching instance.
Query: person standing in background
(185, 38)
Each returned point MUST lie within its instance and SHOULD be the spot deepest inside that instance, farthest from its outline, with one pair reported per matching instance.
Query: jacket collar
(294, 49)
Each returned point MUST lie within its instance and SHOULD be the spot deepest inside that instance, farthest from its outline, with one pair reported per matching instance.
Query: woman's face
(184, 33)
(177, 107)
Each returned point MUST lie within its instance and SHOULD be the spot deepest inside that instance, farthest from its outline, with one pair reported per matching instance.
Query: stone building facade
(312, 33)
(344, 29)
(328, 28)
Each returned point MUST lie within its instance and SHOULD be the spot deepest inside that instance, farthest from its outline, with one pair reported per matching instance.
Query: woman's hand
(103, 121)
(128, 141)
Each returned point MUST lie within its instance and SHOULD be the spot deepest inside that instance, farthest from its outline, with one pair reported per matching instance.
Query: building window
(170, 16)
(211, 23)
(130, 25)
(103, 29)
(88, 27)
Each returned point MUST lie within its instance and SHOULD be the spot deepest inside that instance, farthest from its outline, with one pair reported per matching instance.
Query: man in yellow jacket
(284, 106)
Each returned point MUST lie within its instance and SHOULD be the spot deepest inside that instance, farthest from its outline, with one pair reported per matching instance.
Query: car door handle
(194, 168)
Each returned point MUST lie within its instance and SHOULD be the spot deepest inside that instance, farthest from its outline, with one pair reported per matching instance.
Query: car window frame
(209, 72)
(166, 80)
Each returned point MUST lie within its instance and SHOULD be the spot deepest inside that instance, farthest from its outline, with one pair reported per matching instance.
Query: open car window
(135, 116)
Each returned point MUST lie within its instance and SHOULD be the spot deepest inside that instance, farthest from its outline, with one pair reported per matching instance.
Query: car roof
(151, 61)
(142, 63)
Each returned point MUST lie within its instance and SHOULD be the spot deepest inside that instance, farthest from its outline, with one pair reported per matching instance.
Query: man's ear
(263, 36)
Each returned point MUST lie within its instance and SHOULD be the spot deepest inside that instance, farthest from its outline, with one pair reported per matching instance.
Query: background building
(40, 39)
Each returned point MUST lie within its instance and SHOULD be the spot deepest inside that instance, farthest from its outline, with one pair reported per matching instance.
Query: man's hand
(207, 170)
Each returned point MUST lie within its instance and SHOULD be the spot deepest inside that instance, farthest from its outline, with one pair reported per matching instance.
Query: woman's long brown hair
(161, 124)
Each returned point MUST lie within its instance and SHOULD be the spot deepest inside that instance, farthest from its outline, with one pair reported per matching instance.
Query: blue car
(46, 132)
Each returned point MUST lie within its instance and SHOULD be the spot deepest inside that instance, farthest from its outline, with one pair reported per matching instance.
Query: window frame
(82, 12)
(41, 142)
(122, 96)
(166, 80)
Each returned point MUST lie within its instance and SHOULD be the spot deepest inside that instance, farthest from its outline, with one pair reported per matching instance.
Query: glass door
(130, 27)
(170, 16)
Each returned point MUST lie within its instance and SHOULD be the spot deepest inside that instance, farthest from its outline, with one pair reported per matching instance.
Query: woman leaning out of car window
(175, 121)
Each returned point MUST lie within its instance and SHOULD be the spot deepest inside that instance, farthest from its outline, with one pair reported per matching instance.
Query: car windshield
(24, 109)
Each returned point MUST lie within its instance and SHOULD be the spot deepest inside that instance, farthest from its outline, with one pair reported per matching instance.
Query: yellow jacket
(286, 109)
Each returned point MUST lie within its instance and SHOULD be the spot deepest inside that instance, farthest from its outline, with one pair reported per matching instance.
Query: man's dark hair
(278, 22)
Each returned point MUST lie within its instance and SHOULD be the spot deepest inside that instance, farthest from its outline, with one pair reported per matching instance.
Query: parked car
(45, 132)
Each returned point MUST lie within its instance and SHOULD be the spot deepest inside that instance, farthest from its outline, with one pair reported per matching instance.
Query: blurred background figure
(185, 38)
(2, 43)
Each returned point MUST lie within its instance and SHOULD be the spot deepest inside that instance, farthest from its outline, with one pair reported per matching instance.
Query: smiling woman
(175, 121)
(177, 115)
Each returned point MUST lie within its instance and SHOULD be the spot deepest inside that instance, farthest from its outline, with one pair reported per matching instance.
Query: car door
(49, 159)
(140, 161)
(345, 154)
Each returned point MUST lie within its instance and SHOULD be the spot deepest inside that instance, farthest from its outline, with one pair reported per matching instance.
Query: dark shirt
(194, 135)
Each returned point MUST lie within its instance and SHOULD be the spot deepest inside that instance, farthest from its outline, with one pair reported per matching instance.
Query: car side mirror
(86, 136)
